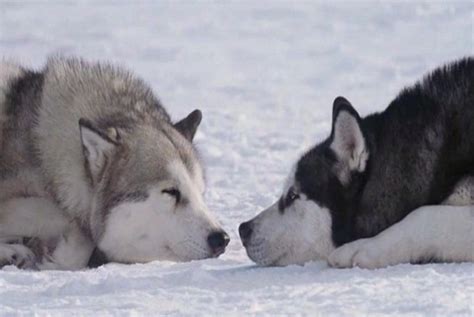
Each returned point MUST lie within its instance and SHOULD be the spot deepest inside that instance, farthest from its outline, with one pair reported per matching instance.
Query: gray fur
(43, 115)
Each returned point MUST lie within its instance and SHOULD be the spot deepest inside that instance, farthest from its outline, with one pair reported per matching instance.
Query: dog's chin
(265, 256)
(188, 253)
(180, 252)
(283, 259)
(269, 260)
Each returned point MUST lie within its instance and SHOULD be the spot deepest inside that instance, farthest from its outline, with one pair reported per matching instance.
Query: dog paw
(18, 255)
(343, 257)
(47, 264)
(363, 253)
(367, 258)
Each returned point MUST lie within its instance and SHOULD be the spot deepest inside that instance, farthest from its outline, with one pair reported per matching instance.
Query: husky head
(308, 220)
(148, 188)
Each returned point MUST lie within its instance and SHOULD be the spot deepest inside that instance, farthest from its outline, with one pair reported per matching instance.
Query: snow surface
(265, 75)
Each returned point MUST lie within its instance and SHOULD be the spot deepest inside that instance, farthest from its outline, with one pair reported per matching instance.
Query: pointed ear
(188, 126)
(97, 146)
(347, 138)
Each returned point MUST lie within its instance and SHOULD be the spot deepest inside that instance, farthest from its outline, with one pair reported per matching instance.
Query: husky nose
(245, 231)
(217, 242)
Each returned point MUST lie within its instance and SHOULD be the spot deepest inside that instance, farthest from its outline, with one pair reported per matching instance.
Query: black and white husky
(90, 160)
(393, 187)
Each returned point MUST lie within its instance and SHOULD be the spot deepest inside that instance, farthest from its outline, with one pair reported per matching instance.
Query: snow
(265, 75)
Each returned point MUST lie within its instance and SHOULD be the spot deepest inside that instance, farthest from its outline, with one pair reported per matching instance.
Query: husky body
(393, 187)
(90, 160)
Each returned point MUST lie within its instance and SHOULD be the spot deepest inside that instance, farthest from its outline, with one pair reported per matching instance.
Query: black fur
(98, 258)
(419, 148)
(188, 126)
(16, 99)
(20, 115)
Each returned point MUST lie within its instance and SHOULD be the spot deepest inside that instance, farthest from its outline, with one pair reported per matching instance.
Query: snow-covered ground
(265, 75)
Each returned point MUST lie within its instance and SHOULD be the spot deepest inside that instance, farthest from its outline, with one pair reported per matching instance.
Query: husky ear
(96, 145)
(188, 126)
(347, 138)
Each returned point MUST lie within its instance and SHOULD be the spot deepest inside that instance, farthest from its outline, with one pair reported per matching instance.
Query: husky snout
(245, 232)
(217, 242)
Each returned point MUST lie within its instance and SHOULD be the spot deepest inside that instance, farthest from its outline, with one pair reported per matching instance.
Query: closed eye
(174, 192)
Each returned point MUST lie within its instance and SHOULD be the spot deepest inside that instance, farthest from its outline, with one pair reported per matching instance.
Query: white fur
(349, 144)
(96, 147)
(8, 72)
(16, 254)
(72, 251)
(157, 228)
(41, 218)
(445, 233)
(463, 193)
(300, 234)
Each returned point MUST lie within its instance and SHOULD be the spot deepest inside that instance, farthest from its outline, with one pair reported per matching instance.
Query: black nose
(245, 231)
(218, 241)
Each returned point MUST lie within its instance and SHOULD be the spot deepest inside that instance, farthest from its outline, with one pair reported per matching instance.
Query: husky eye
(291, 196)
(173, 192)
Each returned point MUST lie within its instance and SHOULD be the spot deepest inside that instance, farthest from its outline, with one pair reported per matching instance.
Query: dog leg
(18, 255)
(444, 233)
(58, 241)
(72, 251)
(31, 217)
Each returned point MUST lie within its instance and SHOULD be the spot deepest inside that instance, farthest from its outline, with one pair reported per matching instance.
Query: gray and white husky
(393, 187)
(90, 160)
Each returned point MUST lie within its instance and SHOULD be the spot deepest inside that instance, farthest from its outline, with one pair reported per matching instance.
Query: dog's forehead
(310, 170)
(181, 160)
(314, 169)
(184, 176)
(149, 152)
(185, 160)
(290, 180)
